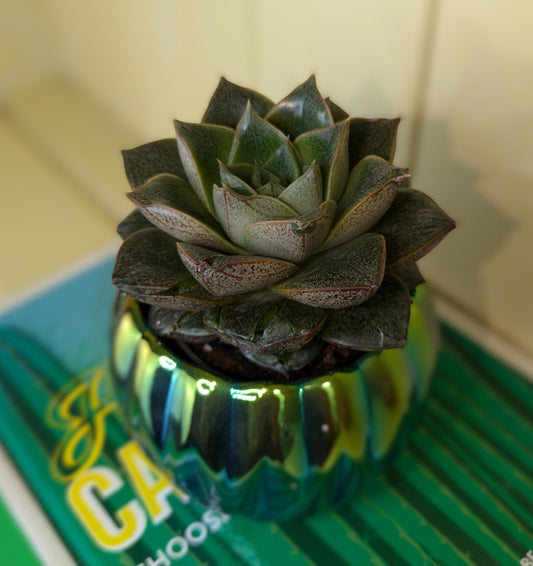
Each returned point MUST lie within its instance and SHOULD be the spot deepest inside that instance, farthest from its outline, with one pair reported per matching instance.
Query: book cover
(461, 493)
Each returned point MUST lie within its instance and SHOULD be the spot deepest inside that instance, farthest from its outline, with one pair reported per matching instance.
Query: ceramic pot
(271, 450)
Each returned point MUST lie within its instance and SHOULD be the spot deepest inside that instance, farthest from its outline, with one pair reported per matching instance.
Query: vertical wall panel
(25, 56)
(150, 62)
(366, 55)
(475, 157)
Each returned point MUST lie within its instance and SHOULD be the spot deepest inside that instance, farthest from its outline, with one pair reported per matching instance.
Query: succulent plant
(276, 229)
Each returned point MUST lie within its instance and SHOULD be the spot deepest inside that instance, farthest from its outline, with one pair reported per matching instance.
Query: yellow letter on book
(150, 484)
(85, 495)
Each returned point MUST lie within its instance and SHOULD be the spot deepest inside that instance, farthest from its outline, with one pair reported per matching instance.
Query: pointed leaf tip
(372, 136)
(200, 147)
(228, 104)
(256, 140)
(369, 192)
(236, 212)
(413, 225)
(379, 323)
(342, 277)
(170, 204)
(303, 110)
(143, 162)
(149, 269)
(328, 147)
(227, 275)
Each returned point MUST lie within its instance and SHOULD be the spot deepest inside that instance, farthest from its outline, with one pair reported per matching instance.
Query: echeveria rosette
(275, 227)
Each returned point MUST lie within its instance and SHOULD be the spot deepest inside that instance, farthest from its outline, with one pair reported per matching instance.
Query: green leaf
(134, 222)
(236, 212)
(341, 277)
(255, 139)
(200, 146)
(150, 159)
(148, 260)
(234, 181)
(238, 325)
(229, 101)
(288, 361)
(149, 269)
(370, 190)
(410, 274)
(271, 189)
(253, 175)
(171, 205)
(267, 328)
(293, 240)
(179, 324)
(379, 323)
(290, 328)
(232, 274)
(413, 225)
(260, 177)
(302, 110)
(328, 147)
(305, 193)
(337, 113)
(372, 137)
(284, 163)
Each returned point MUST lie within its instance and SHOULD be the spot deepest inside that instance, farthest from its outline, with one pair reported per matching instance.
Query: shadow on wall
(370, 100)
(455, 267)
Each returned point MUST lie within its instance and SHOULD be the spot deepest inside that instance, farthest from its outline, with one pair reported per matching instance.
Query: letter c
(85, 495)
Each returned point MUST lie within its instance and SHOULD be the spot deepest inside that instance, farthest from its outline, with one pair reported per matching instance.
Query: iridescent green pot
(271, 450)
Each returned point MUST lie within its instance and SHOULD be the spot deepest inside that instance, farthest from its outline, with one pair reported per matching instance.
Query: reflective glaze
(271, 451)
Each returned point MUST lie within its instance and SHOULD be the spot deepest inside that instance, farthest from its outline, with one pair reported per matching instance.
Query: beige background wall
(80, 80)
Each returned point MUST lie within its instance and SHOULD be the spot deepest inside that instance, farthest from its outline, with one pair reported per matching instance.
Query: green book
(460, 493)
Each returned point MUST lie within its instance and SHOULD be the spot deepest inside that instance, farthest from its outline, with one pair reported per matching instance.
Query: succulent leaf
(229, 101)
(284, 163)
(271, 189)
(200, 147)
(134, 222)
(268, 328)
(410, 274)
(285, 362)
(234, 181)
(305, 193)
(180, 324)
(372, 137)
(236, 212)
(371, 188)
(260, 176)
(328, 147)
(147, 260)
(148, 268)
(227, 275)
(294, 239)
(238, 325)
(290, 328)
(412, 226)
(302, 110)
(337, 113)
(252, 175)
(342, 277)
(150, 159)
(170, 204)
(188, 296)
(255, 140)
(381, 322)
